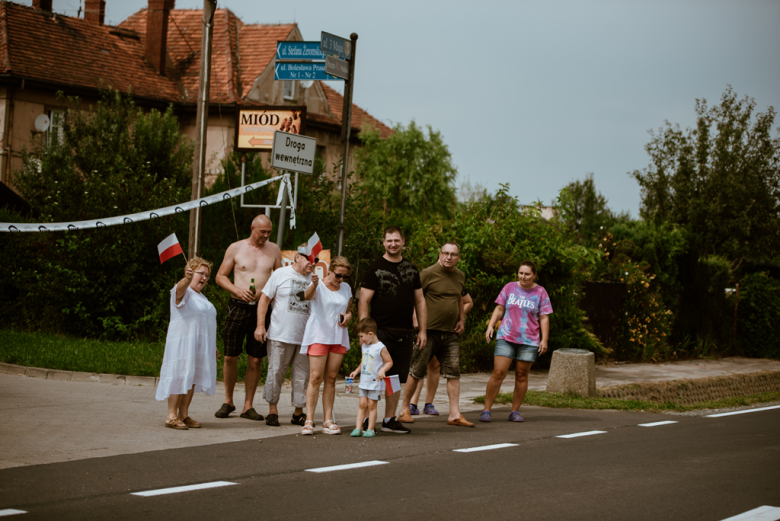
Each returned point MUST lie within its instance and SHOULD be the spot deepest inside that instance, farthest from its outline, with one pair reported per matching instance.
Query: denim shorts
(371, 394)
(514, 351)
(444, 346)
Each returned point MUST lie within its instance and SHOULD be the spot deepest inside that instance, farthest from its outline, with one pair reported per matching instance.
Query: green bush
(758, 322)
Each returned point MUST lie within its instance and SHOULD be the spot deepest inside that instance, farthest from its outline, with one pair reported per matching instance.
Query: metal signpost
(335, 60)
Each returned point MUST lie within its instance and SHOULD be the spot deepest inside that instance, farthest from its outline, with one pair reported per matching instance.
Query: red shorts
(324, 349)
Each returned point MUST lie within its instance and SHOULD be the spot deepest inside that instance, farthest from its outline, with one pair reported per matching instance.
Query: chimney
(157, 32)
(43, 5)
(95, 11)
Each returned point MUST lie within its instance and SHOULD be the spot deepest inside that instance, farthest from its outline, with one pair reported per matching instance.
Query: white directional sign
(293, 152)
(336, 67)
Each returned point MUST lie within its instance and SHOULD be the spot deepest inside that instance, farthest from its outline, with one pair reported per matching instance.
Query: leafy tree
(113, 159)
(585, 209)
(720, 180)
(409, 171)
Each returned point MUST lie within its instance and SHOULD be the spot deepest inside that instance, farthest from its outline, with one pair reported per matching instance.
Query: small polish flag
(313, 248)
(392, 384)
(170, 247)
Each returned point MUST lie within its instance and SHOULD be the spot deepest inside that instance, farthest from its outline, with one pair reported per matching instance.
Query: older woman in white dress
(190, 360)
(326, 340)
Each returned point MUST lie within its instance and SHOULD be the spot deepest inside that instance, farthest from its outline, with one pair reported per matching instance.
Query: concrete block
(572, 370)
(55, 374)
(36, 372)
(85, 377)
(141, 380)
(12, 369)
(116, 379)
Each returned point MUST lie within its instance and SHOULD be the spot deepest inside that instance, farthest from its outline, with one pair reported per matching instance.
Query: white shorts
(371, 394)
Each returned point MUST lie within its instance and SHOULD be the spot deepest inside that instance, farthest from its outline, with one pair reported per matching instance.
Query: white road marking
(11, 512)
(186, 488)
(745, 411)
(349, 466)
(764, 513)
(656, 424)
(487, 447)
(578, 434)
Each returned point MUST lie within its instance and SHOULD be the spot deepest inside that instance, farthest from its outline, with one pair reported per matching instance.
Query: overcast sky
(537, 94)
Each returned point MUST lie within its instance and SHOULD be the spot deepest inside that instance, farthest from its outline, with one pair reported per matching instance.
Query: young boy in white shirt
(372, 376)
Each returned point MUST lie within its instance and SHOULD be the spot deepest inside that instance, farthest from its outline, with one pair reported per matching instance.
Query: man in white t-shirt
(290, 312)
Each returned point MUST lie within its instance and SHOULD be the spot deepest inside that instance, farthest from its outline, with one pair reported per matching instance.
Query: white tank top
(370, 366)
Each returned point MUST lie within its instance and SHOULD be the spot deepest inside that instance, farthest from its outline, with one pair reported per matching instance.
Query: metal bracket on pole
(267, 207)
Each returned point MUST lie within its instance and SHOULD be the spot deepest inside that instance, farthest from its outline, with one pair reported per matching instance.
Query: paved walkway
(52, 419)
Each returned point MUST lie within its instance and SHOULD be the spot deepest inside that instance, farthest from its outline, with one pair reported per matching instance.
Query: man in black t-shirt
(391, 286)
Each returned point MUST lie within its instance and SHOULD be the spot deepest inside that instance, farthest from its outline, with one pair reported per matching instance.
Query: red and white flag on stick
(313, 247)
(392, 384)
(169, 247)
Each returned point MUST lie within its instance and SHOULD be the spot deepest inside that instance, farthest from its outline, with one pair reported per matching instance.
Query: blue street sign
(335, 45)
(301, 71)
(299, 51)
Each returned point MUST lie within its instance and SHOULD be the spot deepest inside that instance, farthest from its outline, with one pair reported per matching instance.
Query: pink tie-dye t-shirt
(520, 324)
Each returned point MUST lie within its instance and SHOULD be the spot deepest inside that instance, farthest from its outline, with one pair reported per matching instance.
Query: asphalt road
(698, 468)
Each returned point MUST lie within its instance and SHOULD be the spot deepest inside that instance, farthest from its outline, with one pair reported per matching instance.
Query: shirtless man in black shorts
(253, 258)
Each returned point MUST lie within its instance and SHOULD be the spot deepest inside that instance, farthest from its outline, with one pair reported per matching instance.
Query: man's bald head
(262, 218)
(261, 229)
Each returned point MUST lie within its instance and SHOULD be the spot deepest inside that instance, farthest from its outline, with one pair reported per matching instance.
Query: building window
(289, 89)
(56, 121)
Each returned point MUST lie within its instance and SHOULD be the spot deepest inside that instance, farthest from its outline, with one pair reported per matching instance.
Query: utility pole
(346, 127)
(201, 120)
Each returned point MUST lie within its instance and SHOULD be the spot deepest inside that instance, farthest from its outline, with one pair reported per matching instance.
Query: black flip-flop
(272, 420)
(224, 411)
(298, 419)
(251, 414)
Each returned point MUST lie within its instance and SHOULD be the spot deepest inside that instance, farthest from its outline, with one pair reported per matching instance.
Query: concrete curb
(73, 376)
(688, 392)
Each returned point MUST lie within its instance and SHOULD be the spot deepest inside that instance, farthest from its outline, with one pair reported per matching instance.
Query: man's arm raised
(224, 271)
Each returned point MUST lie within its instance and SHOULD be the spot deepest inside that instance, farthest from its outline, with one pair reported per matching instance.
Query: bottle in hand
(252, 287)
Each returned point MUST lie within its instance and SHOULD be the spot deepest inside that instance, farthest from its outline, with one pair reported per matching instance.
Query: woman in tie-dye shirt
(524, 308)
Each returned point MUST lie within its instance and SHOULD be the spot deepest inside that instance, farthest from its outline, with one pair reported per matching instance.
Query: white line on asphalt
(745, 411)
(11, 512)
(764, 513)
(186, 488)
(349, 466)
(487, 447)
(656, 424)
(578, 434)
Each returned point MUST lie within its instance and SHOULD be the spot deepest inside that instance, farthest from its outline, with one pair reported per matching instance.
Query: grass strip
(51, 351)
(572, 401)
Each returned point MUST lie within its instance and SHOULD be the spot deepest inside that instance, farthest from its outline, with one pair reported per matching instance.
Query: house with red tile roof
(155, 56)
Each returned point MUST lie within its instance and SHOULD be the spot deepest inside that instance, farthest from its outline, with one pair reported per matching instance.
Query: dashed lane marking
(11, 512)
(745, 411)
(764, 513)
(578, 434)
(349, 466)
(656, 424)
(186, 488)
(487, 447)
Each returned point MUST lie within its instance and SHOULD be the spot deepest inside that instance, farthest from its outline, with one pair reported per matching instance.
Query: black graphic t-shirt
(393, 284)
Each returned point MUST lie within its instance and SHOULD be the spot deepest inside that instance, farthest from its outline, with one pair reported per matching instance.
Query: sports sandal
(176, 424)
(192, 424)
(272, 420)
(333, 429)
(485, 416)
(298, 420)
(308, 428)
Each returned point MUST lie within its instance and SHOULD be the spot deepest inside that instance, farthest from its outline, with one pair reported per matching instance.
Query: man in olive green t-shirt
(445, 294)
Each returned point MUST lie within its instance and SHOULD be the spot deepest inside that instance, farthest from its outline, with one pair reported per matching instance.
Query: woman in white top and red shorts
(326, 340)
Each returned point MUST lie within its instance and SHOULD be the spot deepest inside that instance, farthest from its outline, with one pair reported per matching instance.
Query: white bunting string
(143, 216)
